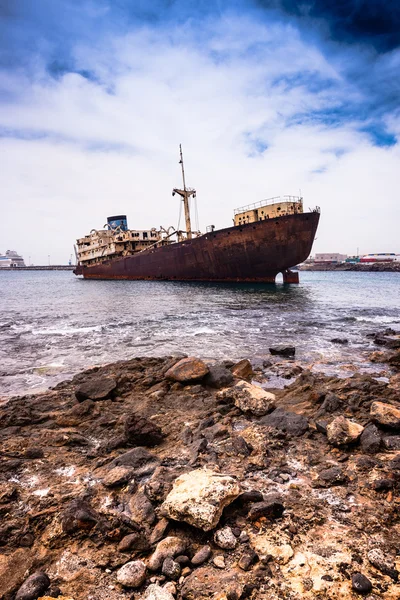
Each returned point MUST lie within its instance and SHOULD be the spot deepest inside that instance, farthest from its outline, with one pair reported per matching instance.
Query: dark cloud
(373, 22)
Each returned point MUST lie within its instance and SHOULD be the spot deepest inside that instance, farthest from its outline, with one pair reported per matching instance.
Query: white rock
(253, 399)
(224, 538)
(199, 497)
(219, 561)
(271, 544)
(155, 592)
(132, 574)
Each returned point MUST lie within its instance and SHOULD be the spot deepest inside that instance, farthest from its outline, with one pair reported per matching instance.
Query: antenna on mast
(185, 193)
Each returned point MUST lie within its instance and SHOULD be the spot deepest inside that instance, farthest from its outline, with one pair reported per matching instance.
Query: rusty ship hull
(253, 252)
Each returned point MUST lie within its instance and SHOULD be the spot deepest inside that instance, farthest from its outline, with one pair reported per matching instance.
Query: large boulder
(385, 414)
(341, 431)
(187, 369)
(96, 388)
(289, 422)
(199, 497)
(139, 431)
(253, 399)
(283, 351)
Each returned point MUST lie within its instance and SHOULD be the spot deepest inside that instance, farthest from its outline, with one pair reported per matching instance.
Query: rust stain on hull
(255, 252)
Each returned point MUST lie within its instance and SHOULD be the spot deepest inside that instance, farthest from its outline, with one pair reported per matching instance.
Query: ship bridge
(270, 208)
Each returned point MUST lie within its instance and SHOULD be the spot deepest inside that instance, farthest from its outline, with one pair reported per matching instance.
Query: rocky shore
(166, 478)
(359, 267)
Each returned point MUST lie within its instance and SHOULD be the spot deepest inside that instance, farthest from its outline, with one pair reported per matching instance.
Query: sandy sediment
(163, 478)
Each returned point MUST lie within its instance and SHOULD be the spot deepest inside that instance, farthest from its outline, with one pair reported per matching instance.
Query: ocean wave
(65, 331)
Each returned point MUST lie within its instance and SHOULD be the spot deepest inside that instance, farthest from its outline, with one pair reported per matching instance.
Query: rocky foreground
(165, 478)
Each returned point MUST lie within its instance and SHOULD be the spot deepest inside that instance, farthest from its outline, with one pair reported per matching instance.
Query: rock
(141, 509)
(78, 515)
(360, 583)
(385, 414)
(96, 388)
(283, 351)
(199, 497)
(136, 542)
(160, 483)
(250, 496)
(171, 568)
(33, 453)
(118, 476)
(140, 459)
(142, 432)
(219, 561)
(170, 587)
(201, 556)
(341, 431)
(158, 531)
(391, 442)
(132, 574)
(33, 587)
(155, 592)
(225, 539)
(330, 404)
(243, 369)
(247, 559)
(218, 377)
(187, 369)
(370, 439)
(289, 422)
(169, 547)
(332, 476)
(271, 507)
(268, 544)
(339, 341)
(384, 564)
(253, 399)
(208, 584)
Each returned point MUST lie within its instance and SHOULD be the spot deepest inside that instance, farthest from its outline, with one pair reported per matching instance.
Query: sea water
(53, 324)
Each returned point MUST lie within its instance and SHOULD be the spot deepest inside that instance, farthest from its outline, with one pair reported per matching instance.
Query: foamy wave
(67, 330)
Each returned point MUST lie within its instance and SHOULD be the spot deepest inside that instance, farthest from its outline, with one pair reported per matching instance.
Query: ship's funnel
(118, 221)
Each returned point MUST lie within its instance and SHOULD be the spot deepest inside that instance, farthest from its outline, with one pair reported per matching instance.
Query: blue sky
(267, 97)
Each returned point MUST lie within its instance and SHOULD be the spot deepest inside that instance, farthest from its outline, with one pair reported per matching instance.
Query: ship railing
(268, 202)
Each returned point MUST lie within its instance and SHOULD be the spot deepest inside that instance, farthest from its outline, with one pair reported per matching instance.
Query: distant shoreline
(359, 267)
(40, 268)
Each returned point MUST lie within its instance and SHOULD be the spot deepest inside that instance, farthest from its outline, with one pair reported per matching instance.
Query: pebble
(155, 592)
(33, 587)
(132, 574)
(224, 538)
(219, 561)
(247, 559)
(361, 584)
(201, 556)
(171, 568)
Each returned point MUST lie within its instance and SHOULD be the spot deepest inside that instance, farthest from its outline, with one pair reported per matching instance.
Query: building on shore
(11, 259)
(330, 257)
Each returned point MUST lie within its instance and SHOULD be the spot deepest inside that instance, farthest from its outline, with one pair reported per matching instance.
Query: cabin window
(145, 235)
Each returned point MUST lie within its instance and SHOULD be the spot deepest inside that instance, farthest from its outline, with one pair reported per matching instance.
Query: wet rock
(132, 574)
(33, 587)
(171, 568)
(96, 388)
(247, 559)
(119, 476)
(385, 414)
(218, 377)
(341, 431)
(330, 477)
(341, 341)
(360, 583)
(187, 369)
(199, 497)
(201, 556)
(289, 422)
(383, 563)
(168, 548)
(271, 507)
(225, 539)
(136, 542)
(253, 399)
(142, 432)
(283, 351)
(206, 583)
(155, 592)
(243, 369)
(141, 509)
(370, 439)
(78, 515)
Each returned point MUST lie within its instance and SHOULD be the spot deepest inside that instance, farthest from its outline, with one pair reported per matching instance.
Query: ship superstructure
(267, 237)
(11, 259)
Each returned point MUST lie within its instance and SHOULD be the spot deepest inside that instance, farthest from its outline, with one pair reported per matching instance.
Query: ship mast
(185, 193)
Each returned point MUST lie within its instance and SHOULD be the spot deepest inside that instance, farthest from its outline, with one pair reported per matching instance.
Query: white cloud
(111, 146)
